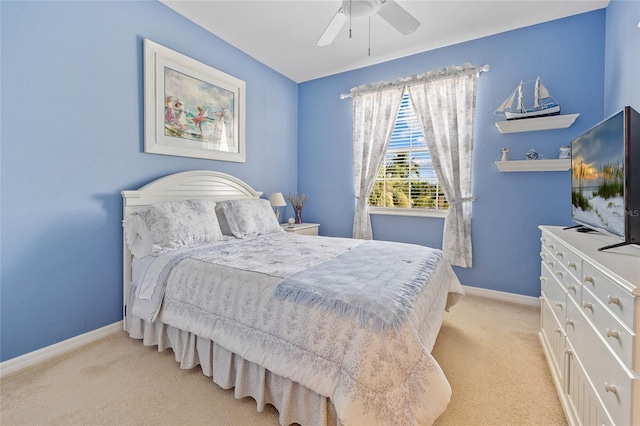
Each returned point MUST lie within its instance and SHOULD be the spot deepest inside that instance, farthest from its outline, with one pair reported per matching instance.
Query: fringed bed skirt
(295, 403)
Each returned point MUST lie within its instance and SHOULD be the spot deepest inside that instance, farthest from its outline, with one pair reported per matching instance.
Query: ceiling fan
(389, 10)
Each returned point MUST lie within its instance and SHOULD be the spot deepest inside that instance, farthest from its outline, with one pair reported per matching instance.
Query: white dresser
(590, 319)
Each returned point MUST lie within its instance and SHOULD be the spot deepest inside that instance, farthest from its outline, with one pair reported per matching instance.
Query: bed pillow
(137, 236)
(248, 218)
(181, 224)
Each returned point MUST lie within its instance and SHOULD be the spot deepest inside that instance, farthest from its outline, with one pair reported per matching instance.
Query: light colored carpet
(489, 351)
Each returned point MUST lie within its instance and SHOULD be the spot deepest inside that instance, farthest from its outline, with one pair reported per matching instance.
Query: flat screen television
(605, 178)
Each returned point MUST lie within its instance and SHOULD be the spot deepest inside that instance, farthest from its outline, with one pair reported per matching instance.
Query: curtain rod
(484, 68)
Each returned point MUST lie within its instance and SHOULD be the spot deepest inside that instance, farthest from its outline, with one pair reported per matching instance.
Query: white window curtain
(374, 113)
(445, 102)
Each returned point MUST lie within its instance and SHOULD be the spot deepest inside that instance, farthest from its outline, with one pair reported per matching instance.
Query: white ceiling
(282, 34)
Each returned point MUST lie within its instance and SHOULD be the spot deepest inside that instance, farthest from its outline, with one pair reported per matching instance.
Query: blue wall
(568, 54)
(72, 139)
(622, 56)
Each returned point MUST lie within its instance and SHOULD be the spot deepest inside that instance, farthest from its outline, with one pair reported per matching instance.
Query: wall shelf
(534, 124)
(557, 165)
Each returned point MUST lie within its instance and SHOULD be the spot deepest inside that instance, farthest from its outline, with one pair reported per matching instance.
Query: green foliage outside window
(400, 185)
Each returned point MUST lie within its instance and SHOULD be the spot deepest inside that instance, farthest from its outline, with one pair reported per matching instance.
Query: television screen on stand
(605, 178)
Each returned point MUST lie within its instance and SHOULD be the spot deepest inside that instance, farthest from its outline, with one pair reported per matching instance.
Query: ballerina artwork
(199, 119)
(200, 111)
(169, 116)
(181, 118)
(204, 108)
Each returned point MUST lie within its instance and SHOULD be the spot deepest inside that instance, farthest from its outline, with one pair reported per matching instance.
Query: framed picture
(191, 109)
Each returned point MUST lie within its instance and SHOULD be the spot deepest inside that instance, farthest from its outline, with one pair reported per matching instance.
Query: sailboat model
(543, 104)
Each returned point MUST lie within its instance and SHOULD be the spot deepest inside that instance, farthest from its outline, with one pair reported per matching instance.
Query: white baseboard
(503, 296)
(32, 358)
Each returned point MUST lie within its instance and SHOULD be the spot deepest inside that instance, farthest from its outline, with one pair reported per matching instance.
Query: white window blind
(407, 179)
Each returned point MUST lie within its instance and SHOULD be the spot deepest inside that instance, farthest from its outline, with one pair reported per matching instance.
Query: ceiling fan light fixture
(360, 8)
(389, 10)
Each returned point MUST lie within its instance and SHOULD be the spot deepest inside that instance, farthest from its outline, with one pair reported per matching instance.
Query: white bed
(251, 326)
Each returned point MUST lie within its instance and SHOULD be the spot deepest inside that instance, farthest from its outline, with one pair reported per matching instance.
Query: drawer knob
(612, 333)
(559, 273)
(613, 300)
(611, 388)
(570, 322)
(543, 255)
(559, 254)
(588, 279)
(551, 246)
(543, 279)
(586, 305)
(559, 305)
(572, 265)
(571, 287)
(557, 330)
(550, 263)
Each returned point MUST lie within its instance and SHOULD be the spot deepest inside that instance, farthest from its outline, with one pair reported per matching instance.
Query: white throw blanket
(371, 378)
(379, 293)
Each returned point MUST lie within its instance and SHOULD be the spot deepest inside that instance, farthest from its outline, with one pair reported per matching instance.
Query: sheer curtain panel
(445, 102)
(374, 114)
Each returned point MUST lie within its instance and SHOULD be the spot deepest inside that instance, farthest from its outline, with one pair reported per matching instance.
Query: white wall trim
(502, 296)
(41, 355)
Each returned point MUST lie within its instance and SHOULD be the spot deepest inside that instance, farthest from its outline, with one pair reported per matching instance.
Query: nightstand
(302, 228)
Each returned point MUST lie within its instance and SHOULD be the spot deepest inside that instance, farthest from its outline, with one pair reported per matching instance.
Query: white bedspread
(224, 292)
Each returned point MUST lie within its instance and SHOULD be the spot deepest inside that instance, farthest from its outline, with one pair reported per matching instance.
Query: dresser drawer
(571, 261)
(620, 338)
(546, 255)
(615, 384)
(549, 242)
(548, 260)
(553, 292)
(612, 296)
(569, 282)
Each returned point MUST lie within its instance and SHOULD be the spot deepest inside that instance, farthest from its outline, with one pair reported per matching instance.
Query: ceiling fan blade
(333, 28)
(399, 18)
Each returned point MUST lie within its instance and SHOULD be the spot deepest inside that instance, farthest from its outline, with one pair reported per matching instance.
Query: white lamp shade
(276, 199)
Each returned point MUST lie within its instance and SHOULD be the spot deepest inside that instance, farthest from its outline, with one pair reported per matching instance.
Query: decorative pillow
(248, 218)
(181, 224)
(138, 236)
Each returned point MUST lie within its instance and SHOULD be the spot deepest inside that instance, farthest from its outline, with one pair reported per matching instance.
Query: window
(407, 179)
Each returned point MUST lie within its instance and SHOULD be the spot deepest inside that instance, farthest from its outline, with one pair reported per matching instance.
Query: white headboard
(191, 185)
